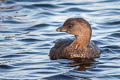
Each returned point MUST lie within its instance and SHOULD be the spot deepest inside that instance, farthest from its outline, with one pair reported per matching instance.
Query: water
(28, 31)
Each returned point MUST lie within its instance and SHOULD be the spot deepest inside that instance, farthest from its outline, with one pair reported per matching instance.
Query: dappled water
(28, 31)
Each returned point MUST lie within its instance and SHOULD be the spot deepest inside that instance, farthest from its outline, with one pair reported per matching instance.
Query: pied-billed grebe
(80, 47)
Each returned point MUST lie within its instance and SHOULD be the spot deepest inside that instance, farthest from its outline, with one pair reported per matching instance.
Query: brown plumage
(80, 47)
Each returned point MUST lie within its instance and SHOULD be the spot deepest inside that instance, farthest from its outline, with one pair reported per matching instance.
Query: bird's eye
(69, 26)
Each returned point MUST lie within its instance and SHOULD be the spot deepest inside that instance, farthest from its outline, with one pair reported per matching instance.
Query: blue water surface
(28, 31)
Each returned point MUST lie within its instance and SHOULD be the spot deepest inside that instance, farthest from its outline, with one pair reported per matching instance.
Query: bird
(81, 47)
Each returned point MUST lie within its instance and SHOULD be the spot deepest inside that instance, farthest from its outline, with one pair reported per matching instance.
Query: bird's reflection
(82, 64)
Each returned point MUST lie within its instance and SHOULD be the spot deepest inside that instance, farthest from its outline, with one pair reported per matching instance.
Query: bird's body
(80, 47)
(64, 49)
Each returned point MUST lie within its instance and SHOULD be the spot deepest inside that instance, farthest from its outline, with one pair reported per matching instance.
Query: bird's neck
(81, 41)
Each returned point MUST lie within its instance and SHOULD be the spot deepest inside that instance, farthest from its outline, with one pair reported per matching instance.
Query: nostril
(58, 29)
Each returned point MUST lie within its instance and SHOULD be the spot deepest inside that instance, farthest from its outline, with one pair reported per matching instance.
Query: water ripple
(6, 67)
(28, 31)
(37, 26)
